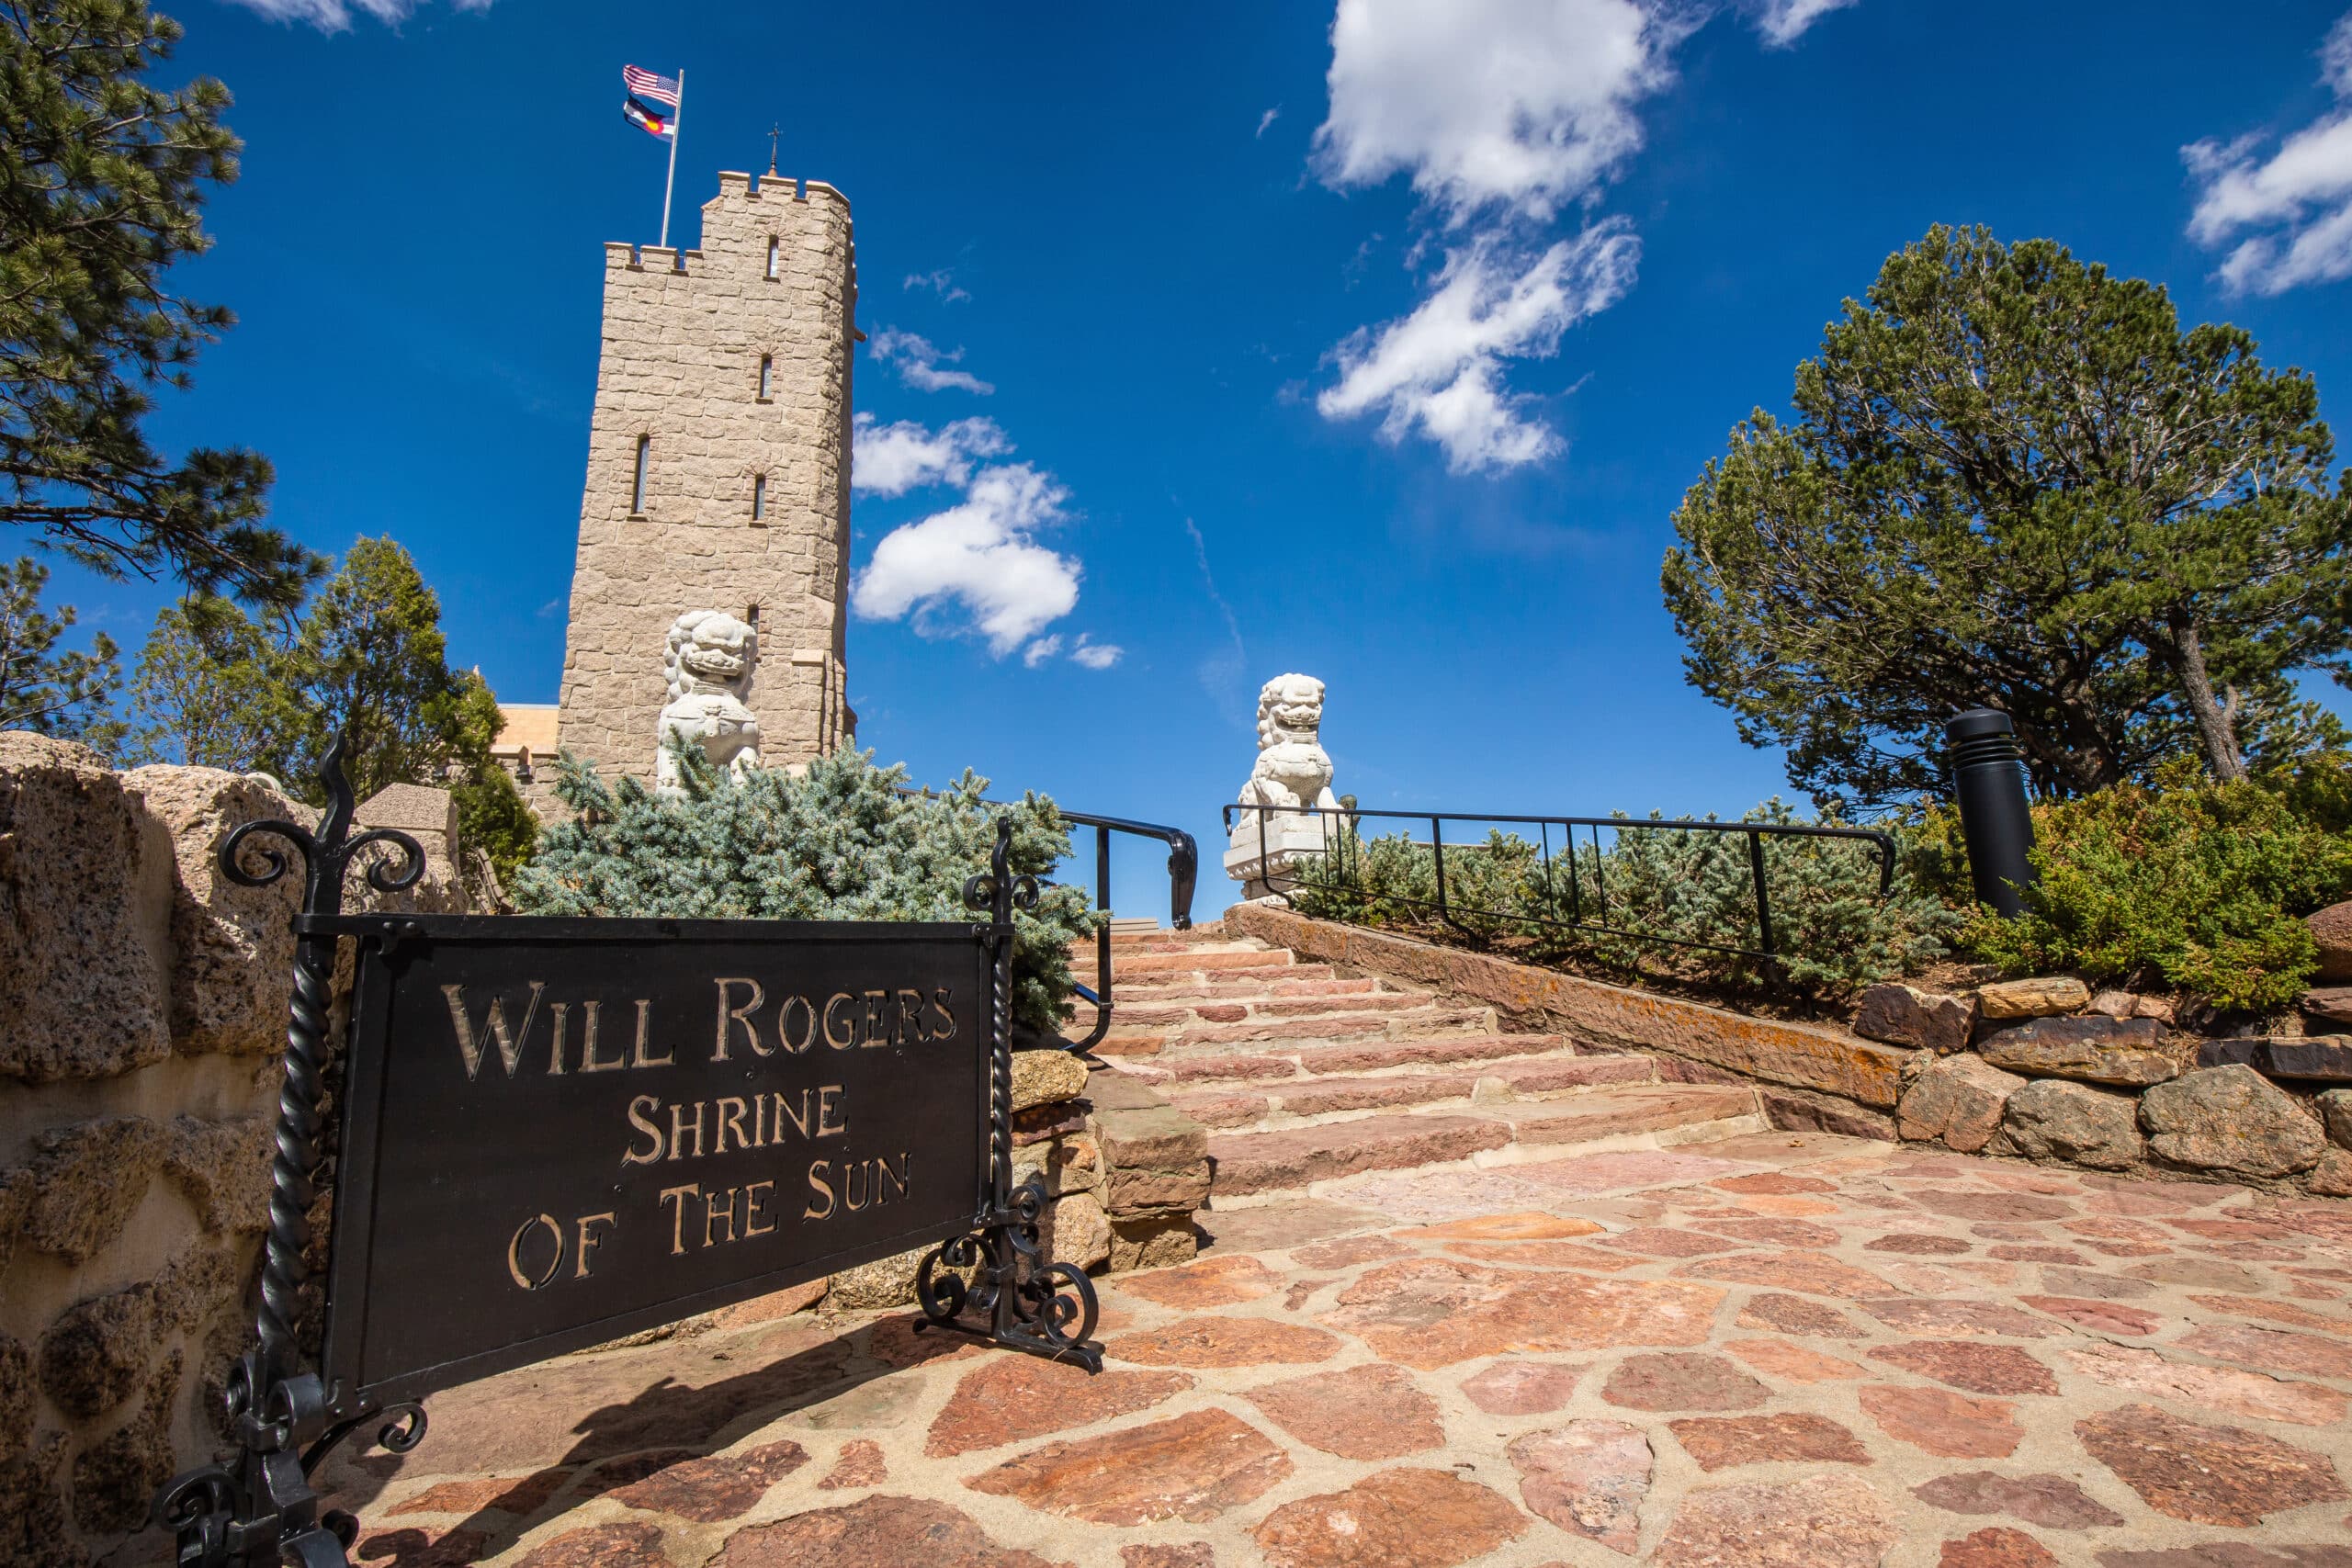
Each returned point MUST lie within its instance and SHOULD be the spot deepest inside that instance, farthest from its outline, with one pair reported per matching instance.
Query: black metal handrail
(1184, 872)
(1338, 827)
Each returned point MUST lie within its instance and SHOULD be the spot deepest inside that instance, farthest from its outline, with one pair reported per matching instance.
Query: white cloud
(891, 460)
(1506, 114)
(334, 16)
(1095, 655)
(980, 556)
(1268, 118)
(919, 362)
(1436, 370)
(2293, 209)
(942, 283)
(1518, 103)
(1782, 22)
(1045, 648)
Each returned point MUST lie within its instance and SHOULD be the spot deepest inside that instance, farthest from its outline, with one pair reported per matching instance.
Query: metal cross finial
(775, 131)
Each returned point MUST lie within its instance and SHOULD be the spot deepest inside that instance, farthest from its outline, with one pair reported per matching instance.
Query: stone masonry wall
(142, 1011)
(683, 336)
(142, 1022)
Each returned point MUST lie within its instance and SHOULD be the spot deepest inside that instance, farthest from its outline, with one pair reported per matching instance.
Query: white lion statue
(1292, 770)
(708, 667)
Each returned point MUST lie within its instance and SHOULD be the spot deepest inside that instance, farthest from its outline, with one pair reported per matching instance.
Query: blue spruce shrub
(841, 843)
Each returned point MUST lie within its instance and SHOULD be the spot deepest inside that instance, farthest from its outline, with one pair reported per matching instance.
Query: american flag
(646, 85)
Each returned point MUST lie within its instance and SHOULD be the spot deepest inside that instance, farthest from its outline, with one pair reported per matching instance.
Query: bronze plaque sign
(557, 1131)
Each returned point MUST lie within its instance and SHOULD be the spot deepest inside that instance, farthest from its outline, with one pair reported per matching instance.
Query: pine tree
(67, 694)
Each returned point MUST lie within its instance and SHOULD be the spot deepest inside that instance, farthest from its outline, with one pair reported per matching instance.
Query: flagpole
(677, 119)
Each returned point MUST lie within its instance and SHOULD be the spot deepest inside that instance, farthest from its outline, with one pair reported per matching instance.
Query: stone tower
(719, 473)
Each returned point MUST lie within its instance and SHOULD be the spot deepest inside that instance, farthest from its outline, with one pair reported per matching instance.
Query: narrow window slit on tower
(758, 498)
(775, 249)
(767, 376)
(636, 489)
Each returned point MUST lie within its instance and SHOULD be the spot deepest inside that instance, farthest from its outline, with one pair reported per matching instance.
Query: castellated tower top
(719, 473)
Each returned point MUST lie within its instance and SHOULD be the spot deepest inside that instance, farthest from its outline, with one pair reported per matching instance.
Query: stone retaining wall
(142, 1009)
(2143, 1102)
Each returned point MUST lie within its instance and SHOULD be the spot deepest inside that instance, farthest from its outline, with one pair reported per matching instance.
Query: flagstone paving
(1776, 1350)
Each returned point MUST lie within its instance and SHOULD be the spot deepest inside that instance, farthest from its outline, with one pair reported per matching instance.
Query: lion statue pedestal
(709, 664)
(1289, 792)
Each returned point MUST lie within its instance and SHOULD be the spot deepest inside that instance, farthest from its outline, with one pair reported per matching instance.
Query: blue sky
(1381, 352)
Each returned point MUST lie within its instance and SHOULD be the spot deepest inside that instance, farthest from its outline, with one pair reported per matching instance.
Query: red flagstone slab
(2276, 1311)
(629, 1544)
(526, 1495)
(1014, 1398)
(1346, 1251)
(1225, 1342)
(1974, 1366)
(1544, 1255)
(2017, 1253)
(1720, 1442)
(880, 1532)
(1399, 1519)
(1213, 1281)
(1632, 1167)
(2208, 1475)
(1191, 1554)
(1774, 1181)
(2272, 1350)
(1778, 1358)
(2256, 1396)
(2204, 1274)
(1588, 1478)
(1433, 1312)
(1821, 1521)
(708, 1491)
(1991, 1205)
(1666, 1241)
(1523, 1388)
(1190, 1467)
(1811, 1273)
(1997, 1547)
(1369, 1412)
(1532, 1225)
(1950, 1424)
(1933, 1317)
(2099, 1317)
(414, 1548)
(1683, 1381)
(2052, 1501)
(2231, 1554)
(1774, 1233)
(861, 1464)
(1918, 1242)
(1794, 1315)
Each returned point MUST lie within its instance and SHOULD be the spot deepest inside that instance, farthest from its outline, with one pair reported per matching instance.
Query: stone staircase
(1305, 1076)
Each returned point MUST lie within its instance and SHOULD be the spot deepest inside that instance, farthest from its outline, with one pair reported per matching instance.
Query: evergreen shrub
(1831, 929)
(841, 843)
(2202, 884)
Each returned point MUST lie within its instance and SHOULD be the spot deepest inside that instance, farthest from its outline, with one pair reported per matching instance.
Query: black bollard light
(1988, 782)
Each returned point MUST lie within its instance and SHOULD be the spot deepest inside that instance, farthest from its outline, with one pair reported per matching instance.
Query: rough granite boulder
(75, 856)
(233, 946)
(1903, 1015)
(2332, 1177)
(2329, 1006)
(2331, 928)
(2045, 997)
(2335, 1111)
(2131, 1052)
(1042, 1076)
(2325, 1058)
(1958, 1100)
(2054, 1119)
(2231, 1119)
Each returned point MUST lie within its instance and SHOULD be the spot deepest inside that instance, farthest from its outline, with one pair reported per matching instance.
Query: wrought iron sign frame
(990, 1277)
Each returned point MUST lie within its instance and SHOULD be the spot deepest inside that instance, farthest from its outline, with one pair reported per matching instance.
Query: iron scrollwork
(260, 1508)
(995, 1283)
